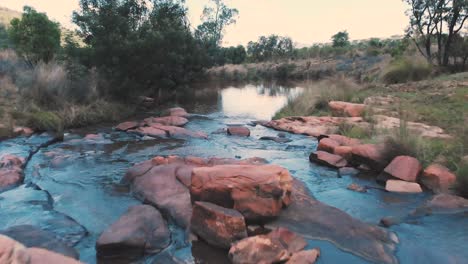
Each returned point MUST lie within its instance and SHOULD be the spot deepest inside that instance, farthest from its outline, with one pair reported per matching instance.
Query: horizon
(252, 24)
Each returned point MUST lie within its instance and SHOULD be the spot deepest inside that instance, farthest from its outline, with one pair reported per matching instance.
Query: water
(83, 190)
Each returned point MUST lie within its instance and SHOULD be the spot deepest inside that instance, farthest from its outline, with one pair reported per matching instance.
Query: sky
(305, 21)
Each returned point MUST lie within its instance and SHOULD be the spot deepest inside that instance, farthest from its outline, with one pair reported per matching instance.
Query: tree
(271, 47)
(216, 17)
(341, 39)
(439, 21)
(34, 36)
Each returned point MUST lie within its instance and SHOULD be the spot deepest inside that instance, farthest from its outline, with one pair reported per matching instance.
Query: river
(79, 196)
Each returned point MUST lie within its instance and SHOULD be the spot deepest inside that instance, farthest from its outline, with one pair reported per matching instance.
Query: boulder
(327, 159)
(346, 109)
(404, 168)
(443, 204)
(167, 120)
(11, 171)
(274, 247)
(304, 257)
(12, 252)
(174, 131)
(369, 154)
(32, 236)
(177, 111)
(216, 225)
(141, 230)
(240, 131)
(258, 192)
(324, 222)
(438, 178)
(127, 126)
(402, 186)
(149, 131)
(327, 145)
(344, 151)
(23, 131)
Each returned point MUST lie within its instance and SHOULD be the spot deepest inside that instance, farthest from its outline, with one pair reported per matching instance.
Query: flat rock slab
(402, 186)
(347, 109)
(216, 225)
(324, 222)
(274, 247)
(328, 159)
(304, 257)
(167, 120)
(141, 230)
(258, 192)
(32, 236)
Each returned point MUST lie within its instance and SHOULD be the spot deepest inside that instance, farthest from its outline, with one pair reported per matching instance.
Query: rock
(347, 109)
(275, 247)
(438, 178)
(327, 159)
(324, 222)
(127, 126)
(314, 125)
(240, 131)
(40, 256)
(12, 252)
(402, 186)
(255, 230)
(149, 131)
(277, 139)
(174, 131)
(23, 131)
(141, 230)
(304, 257)
(342, 140)
(347, 171)
(11, 171)
(327, 145)
(404, 168)
(258, 192)
(369, 154)
(167, 121)
(216, 225)
(177, 111)
(32, 236)
(443, 204)
(420, 129)
(344, 151)
(389, 221)
(357, 188)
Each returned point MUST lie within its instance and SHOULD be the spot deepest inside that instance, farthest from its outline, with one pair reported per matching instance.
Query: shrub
(353, 131)
(406, 69)
(44, 121)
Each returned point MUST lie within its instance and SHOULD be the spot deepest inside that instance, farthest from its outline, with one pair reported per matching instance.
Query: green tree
(216, 17)
(436, 21)
(271, 47)
(34, 36)
(341, 39)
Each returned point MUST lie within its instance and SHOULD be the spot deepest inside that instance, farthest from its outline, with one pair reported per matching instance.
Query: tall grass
(406, 69)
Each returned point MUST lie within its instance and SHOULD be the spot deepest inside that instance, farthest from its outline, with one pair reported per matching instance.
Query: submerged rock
(328, 159)
(216, 225)
(357, 188)
(274, 247)
(438, 178)
(11, 171)
(324, 222)
(141, 230)
(443, 204)
(240, 131)
(258, 192)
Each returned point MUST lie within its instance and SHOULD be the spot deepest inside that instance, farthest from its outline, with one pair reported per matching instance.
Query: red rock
(327, 159)
(141, 230)
(11, 171)
(11, 161)
(438, 178)
(216, 225)
(344, 141)
(275, 247)
(167, 120)
(347, 109)
(150, 131)
(402, 186)
(369, 154)
(344, 151)
(177, 111)
(23, 131)
(12, 252)
(257, 192)
(238, 131)
(405, 168)
(327, 145)
(304, 257)
(40, 256)
(174, 131)
(127, 126)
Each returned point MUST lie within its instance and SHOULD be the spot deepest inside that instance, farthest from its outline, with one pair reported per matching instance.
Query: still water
(84, 191)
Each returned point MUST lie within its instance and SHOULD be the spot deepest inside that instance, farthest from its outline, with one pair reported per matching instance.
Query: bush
(353, 131)
(406, 69)
(44, 121)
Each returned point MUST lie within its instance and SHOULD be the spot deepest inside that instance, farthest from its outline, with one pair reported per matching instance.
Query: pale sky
(305, 21)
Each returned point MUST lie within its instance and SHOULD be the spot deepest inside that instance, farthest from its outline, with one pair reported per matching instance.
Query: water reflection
(259, 102)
